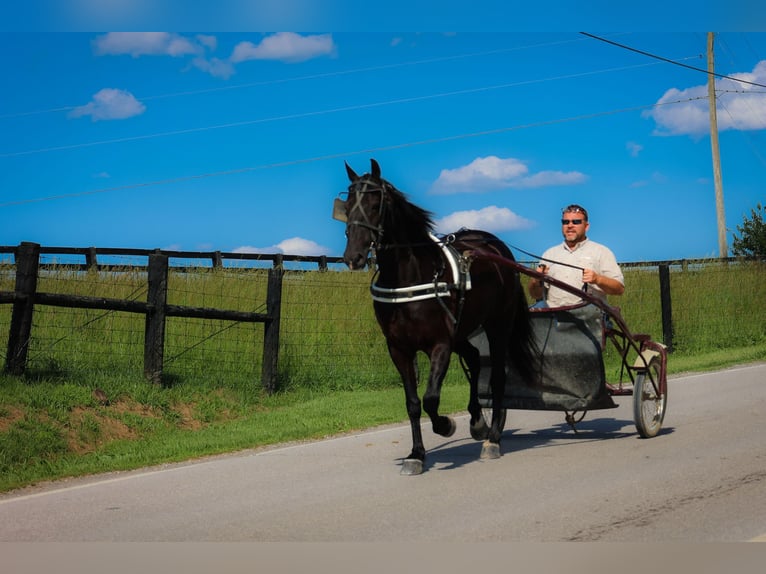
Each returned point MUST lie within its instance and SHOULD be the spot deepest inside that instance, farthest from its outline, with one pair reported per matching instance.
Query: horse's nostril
(350, 262)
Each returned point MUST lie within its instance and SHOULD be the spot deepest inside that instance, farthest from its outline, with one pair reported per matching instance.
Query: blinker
(339, 210)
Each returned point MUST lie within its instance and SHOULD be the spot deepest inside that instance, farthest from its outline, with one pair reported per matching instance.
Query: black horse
(431, 295)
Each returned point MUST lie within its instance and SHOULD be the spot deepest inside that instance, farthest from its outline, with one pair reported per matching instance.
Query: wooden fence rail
(157, 310)
(25, 297)
(218, 259)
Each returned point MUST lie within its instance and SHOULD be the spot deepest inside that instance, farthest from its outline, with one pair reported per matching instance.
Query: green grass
(335, 374)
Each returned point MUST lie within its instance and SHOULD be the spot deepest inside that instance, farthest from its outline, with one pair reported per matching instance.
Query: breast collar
(460, 274)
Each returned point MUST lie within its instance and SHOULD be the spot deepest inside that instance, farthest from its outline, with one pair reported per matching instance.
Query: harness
(458, 264)
(460, 272)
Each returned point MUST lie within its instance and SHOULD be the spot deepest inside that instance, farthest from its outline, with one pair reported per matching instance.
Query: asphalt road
(702, 479)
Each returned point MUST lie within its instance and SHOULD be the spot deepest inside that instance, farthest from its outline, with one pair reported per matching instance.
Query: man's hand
(589, 276)
(536, 285)
(606, 284)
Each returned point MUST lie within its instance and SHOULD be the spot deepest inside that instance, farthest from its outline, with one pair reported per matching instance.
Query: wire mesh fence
(328, 336)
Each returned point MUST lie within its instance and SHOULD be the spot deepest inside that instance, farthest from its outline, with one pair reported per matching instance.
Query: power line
(320, 112)
(309, 76)
(674, 62)
(348, 153)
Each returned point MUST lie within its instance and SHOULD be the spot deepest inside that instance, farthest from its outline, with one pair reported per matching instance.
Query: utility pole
(719, 206)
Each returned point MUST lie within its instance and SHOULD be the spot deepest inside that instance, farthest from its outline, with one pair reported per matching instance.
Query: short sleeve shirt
(585, 255)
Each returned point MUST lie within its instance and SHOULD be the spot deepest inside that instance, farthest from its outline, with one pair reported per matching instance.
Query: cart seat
(570, 368)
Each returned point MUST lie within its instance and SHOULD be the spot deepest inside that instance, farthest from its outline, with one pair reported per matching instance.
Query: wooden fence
(25, 296)
(155, 308)
(216, 259)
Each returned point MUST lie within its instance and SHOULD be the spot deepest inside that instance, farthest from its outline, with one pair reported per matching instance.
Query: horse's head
(362, 211)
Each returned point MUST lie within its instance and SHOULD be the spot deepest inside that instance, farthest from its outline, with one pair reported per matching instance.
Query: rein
(545, 259)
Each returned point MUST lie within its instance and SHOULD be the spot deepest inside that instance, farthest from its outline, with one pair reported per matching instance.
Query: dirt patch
(8, 416)
(89, 429)
(188, 420)
(132, 407)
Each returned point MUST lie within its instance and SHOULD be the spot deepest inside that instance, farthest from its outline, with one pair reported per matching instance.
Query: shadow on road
(459, 452)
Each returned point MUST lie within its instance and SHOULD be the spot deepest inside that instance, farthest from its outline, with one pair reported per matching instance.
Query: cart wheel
(648, 404)
(487, 414)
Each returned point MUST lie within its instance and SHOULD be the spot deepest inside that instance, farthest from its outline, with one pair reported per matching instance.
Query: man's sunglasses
(572, 221)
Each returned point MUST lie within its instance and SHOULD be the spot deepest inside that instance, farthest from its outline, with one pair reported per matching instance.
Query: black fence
(155, 308)
(104, 258)
(315, 326)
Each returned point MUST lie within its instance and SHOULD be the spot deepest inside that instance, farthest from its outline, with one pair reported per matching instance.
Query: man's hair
(574, 208)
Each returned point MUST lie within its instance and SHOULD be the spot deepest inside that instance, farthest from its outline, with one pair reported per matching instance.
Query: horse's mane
(404, 222)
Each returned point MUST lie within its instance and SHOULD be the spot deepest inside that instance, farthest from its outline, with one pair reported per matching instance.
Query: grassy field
(335, 375)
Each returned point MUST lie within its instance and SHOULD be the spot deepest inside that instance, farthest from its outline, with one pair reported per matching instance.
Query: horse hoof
(480, 430)
(490, 450)
(412, 467)
(452, 427)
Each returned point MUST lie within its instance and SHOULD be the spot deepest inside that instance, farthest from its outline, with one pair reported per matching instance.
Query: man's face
(573, 227)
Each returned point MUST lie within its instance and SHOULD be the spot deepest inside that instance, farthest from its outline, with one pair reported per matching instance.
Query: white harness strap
(427, 290)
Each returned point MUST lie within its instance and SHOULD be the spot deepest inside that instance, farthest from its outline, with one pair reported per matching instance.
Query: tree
(750, 239)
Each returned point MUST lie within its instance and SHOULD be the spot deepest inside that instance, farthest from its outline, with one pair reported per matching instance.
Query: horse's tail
(523, 352)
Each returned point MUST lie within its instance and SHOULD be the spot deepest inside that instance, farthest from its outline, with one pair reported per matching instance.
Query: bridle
(436, 289)
(357, 215)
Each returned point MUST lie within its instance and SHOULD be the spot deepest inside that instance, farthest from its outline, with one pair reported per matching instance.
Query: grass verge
(52, 429)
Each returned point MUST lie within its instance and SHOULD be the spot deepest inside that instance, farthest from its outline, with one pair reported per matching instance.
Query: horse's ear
(375, 169)
(351, 173)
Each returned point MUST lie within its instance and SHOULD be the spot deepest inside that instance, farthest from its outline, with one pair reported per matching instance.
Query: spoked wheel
(648, 403)
(487, 414)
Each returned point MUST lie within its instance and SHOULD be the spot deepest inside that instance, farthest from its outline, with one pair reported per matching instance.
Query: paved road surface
(702, 479)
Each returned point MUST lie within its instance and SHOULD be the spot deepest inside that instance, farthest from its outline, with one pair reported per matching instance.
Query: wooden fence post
(154, 334)
(27, 264)
(269, 370)
(91, 259)
(667, 310)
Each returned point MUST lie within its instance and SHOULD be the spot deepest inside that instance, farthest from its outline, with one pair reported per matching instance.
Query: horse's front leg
(472, 361)
(440, 358)
(407, 366)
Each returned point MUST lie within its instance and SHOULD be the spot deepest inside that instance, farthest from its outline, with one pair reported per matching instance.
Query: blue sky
(236, 141)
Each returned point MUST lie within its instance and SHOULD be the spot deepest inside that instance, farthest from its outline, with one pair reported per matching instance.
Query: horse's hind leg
(440, 358)
(472, 364)
(497, 349)
(407, 367)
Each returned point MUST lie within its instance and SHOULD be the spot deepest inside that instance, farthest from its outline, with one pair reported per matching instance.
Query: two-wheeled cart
(571, 375)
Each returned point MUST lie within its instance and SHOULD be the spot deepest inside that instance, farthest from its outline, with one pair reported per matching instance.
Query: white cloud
(285, 46)
(492, 172)
(634, 148)
(210, 42)
(739, 106)
(165, 44)
(146, 44)
(215, 67)
(494, 219)
(110, 104)
(657, 177)
(292, 246)
(549, 178)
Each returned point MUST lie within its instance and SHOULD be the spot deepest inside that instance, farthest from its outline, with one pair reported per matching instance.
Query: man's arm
(535, 286)
(606, 284)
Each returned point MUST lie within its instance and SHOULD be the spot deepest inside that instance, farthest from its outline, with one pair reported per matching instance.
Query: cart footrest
(619, 390)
